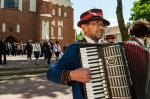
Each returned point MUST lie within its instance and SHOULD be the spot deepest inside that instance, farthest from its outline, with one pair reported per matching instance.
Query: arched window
(59, 31)
(65, 14)
(52, 32)
(53, 12)
(45, 30)
(59, 11)
(11, 3)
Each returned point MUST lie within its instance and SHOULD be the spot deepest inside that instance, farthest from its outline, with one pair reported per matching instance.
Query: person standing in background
(57, 50)
(48, 50)
(2, 51)
(37, 51)
(110, 39)
(29, 49)
(139, 30)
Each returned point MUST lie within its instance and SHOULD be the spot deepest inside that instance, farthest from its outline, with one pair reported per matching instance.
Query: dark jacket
(2, 47)
(69, 61)
(47, 50)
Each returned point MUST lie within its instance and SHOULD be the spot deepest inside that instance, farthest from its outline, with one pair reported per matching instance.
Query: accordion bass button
(104, 82)
(102, 74)
(101, 67)
(102, 71)
(106, 92)
(104, 85)
(105, 89)
(107, 97)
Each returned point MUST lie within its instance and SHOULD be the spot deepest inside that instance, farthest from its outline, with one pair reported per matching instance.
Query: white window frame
(53, 11)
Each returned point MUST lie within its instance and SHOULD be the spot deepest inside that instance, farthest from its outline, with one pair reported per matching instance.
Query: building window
(45, 30)
(1, 3)
(3, 27)
(59, 12)
(53, 12)
(18, 28)
(65, 14)
(11, 3)
(52, 32)
(59, 31)
(33, 5)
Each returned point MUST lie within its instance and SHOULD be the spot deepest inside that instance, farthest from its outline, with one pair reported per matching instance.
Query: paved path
(22, 60)
(31, 88)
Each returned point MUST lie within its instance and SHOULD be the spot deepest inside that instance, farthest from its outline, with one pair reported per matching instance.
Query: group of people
(68, 70)
(32, 49)
(46, 49)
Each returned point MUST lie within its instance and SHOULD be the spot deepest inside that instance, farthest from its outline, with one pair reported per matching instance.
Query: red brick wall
(30, 22)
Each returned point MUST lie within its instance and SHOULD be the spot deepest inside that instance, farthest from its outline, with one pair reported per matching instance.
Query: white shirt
(56, 48)
(36, 47)
(89, 40)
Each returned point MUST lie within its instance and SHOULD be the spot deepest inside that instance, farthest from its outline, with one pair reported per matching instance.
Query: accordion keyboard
(97, 87)
(108, 73)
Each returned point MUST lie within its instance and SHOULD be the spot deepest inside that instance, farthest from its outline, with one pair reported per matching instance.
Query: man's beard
(99, 34)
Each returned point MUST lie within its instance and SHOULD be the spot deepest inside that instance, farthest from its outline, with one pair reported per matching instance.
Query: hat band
(91, 14)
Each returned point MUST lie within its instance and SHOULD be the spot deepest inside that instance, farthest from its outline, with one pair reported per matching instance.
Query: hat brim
(106, 22)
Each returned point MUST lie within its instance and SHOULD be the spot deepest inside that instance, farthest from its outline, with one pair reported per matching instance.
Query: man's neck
(90, 40)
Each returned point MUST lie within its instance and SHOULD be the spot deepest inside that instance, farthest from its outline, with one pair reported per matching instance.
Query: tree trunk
(121, 24)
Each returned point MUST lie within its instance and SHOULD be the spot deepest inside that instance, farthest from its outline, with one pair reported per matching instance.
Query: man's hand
(82, 75)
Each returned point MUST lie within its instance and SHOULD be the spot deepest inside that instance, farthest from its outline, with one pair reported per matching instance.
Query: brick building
(23, 20)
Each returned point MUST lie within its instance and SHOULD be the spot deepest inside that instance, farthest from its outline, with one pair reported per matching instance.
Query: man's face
(94, 29)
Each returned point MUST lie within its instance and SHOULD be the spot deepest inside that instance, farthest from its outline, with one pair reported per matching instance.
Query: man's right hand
(82, 75)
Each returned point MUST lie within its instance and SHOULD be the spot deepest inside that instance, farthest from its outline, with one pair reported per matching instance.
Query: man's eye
(94, 24)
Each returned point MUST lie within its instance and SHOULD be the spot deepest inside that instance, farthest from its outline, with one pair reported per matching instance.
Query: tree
(122, 27)
(141, 9)
(79, 36)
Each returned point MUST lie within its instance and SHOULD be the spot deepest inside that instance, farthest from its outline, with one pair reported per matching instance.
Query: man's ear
(84, 27)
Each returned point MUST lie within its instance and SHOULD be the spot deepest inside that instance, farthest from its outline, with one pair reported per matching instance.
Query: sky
(108, 7)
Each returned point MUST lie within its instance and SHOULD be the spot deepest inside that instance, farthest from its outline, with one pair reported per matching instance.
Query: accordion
(118, 71)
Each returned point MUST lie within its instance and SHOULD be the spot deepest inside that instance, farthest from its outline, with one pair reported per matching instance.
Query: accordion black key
(118, 71)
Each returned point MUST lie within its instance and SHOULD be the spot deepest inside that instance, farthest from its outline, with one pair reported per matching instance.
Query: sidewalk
(22, 60)
(31, 88)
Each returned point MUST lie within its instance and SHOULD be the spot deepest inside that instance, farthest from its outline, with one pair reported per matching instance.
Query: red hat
(92, 14)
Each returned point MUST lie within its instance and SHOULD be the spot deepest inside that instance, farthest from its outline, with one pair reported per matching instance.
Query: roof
(112, 30)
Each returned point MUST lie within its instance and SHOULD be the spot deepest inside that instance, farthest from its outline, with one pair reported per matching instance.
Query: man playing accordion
(68, 70)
